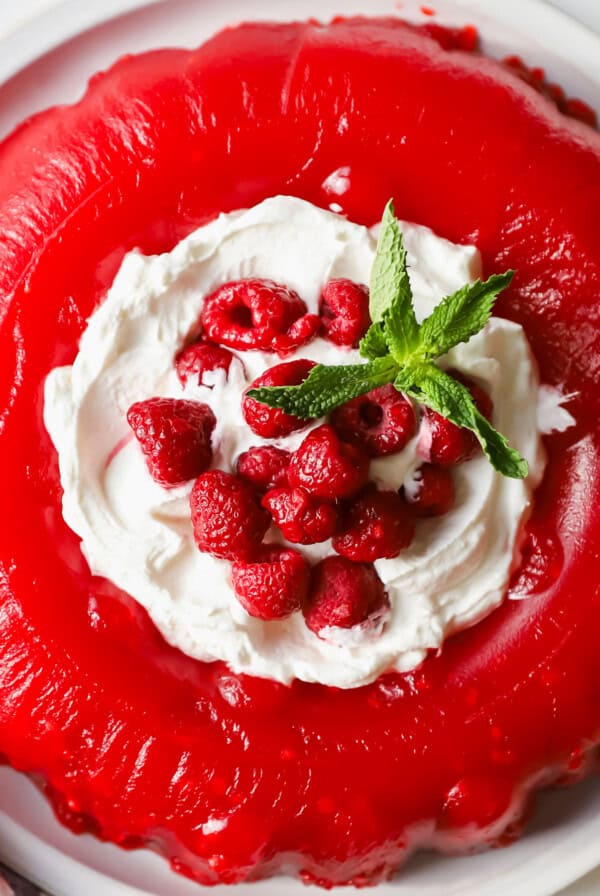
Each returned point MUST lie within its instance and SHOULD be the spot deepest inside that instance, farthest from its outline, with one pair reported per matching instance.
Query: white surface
(565, 841)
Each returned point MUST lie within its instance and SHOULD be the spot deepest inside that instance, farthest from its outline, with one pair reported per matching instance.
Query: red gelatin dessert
(229, 771)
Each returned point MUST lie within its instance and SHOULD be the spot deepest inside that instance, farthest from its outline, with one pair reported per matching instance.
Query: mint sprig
(373, 344)
(461, 315)
(401, 351)
(433, 387)
(325, 388)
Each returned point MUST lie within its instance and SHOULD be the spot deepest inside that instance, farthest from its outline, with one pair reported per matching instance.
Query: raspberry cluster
(276, 498)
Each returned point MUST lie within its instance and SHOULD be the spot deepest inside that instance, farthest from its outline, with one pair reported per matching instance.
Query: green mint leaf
(439, 391)
(409, 375)
(397, 350)
(400, 335)
(325, 388)
(390, 290)
(501, 456)
(373, 344)
(461, 315)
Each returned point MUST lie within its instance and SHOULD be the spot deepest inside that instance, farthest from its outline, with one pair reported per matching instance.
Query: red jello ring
(225, 774)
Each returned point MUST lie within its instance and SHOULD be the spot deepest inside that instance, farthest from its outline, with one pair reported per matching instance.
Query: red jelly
(135, 741)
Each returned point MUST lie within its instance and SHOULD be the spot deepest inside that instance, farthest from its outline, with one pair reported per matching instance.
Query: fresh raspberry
(258, 314)
(227, 517)
(197, 359)
(382, 421)
(174, 435)
(442, 442)
(274, 585)
(300, 333)
(327, 467)
(301, 518)
(431, 492)
(344, 309)
(272, 423)
(378, 524)
(265, 467)
(343, 594)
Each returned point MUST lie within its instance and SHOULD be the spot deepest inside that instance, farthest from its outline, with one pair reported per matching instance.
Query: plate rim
(44, 32)
(55, 871)
(49, 28)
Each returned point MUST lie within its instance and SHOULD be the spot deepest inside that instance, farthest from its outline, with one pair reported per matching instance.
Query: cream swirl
(138, 534)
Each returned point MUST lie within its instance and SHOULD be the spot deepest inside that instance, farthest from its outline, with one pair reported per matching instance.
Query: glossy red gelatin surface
(229, 776)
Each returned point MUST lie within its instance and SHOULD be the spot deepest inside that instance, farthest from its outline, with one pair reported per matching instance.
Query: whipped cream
(138, 534)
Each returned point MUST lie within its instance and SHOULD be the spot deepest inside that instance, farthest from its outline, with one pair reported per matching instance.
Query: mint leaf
(439, 391)
(401, 337)
(461, 315)
(373, 344)
(501, 456)
(409, 376)
(325, 388)
(390, 289)
(399, 351)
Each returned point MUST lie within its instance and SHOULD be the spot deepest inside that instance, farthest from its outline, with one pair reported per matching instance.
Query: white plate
(49, 61)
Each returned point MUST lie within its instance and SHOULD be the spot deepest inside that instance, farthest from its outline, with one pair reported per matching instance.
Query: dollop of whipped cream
(139, 535)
